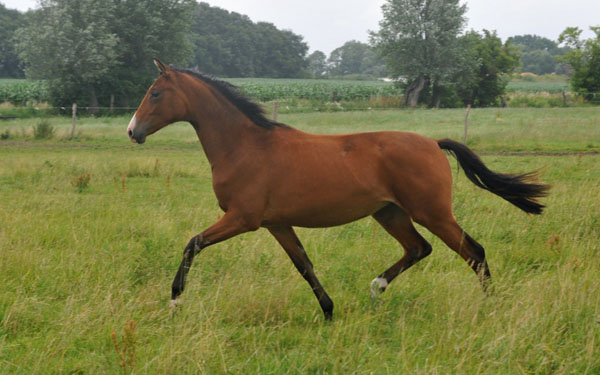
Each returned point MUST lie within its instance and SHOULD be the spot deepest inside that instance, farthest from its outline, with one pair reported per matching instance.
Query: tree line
(100, 51)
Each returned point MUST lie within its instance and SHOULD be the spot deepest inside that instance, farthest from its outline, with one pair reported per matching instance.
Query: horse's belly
(323, 212)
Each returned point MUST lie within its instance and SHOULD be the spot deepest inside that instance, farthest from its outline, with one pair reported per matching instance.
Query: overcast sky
(328, 24)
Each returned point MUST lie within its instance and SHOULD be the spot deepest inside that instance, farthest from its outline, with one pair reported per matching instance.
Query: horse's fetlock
(425, 250)
(327, 307)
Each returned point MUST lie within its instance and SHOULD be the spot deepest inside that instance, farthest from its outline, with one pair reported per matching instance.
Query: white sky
(328, 24)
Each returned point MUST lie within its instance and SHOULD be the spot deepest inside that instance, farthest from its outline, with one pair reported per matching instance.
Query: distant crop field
(10, 81)
(265, 89)
(21, 91)
(536, 87)
(92, 231)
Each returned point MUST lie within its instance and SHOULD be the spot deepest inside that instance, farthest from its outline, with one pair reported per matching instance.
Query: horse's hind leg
(291, 244)
(458, 240)
(398, 224)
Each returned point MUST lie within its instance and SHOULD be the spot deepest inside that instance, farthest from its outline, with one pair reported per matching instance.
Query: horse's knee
(425, 250)
(418, 253)
(194, 246)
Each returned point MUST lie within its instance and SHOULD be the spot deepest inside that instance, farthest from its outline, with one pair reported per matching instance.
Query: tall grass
(86, 276)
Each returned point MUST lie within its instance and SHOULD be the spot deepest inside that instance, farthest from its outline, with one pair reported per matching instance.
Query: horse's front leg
(228, 226)
(291, 244)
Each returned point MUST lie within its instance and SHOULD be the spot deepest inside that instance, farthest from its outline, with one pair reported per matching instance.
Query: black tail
(519, 190)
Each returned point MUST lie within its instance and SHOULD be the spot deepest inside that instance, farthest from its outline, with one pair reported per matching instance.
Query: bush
(43, 130)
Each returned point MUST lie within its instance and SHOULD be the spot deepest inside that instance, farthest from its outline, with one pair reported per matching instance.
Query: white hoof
(174, 304)
(378, 285)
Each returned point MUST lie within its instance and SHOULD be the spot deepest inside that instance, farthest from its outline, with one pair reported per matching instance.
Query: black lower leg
(193, 247)
(324, 301)
(398, 223)
(306, 270)
(292, 246)
(478, 262)
(410, 258)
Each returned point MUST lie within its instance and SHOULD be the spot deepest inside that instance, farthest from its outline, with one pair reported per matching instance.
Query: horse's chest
(236, 187)
(223, 192)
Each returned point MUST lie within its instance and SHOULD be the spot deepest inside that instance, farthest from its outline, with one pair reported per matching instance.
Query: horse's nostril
(130, 133)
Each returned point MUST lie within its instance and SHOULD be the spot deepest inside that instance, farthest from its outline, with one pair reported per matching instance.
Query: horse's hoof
(174, 306)
(378, 286)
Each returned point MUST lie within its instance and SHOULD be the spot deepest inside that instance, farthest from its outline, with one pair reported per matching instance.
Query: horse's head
(163, 104)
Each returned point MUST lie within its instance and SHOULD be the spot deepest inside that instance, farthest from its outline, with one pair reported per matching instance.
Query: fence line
(287, 104)
(94, 108)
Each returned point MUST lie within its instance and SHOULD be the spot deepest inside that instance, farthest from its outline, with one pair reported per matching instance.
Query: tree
(69, 43)
(10, 20)
(534, 42)
(278, 53)
(584, 60)
(317, 64)
(230, 44)
(90, 49)
(538, 54)
(355, 58)
(222, 42)
(487, 65)
(419, 41)
(539, 62)
(146, 29)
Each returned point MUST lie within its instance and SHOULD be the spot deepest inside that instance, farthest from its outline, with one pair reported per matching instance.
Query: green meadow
(92, 230)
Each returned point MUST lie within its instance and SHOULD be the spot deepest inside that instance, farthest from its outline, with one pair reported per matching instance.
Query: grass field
(92, 230)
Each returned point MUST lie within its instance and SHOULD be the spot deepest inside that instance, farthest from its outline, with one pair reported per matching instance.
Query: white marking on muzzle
(131, 125)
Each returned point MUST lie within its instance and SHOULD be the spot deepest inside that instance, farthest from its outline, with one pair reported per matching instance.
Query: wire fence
(45, 111)
(294, 104)
(99, 111)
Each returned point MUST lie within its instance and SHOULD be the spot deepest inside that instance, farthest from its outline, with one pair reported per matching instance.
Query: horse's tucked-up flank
(267, 174)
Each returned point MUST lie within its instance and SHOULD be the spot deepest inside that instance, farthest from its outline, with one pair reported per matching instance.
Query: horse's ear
(161, 67)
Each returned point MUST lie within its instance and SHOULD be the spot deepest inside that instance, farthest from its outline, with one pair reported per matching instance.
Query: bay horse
(267, 174)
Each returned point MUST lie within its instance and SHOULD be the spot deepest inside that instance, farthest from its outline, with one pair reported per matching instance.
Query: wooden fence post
(466, 123)
(74, 120)
(112, 102)
(275, 110)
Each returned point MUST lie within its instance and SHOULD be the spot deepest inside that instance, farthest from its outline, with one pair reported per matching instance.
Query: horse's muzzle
(136, 137)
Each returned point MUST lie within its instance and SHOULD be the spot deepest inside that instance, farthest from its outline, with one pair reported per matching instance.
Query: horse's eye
(155, 94)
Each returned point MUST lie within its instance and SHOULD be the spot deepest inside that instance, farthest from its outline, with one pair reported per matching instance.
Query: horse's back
(323, 180)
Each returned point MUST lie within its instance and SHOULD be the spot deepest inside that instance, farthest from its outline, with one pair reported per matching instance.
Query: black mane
(253, 111)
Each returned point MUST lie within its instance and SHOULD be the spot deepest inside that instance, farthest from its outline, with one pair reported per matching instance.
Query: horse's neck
(223, 135)
(221, 128)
